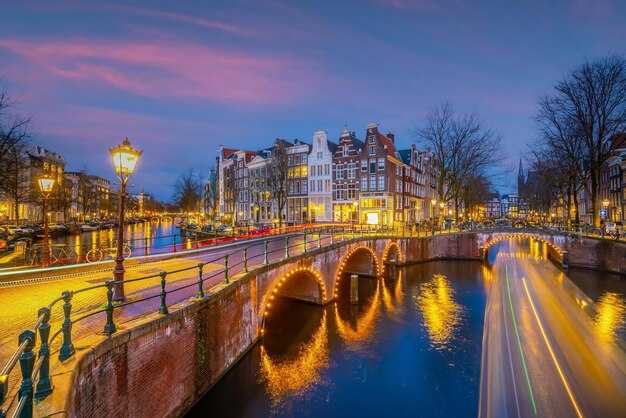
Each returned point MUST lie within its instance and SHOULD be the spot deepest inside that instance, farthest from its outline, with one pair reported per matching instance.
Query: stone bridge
(176, 358)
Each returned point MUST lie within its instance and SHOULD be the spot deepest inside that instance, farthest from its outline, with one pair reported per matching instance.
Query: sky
(180, 78)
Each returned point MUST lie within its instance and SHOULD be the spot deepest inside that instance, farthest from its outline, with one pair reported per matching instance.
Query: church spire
(521, 169)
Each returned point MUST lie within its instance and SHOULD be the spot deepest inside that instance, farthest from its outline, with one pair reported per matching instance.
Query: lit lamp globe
(46, 184)
(125, 158)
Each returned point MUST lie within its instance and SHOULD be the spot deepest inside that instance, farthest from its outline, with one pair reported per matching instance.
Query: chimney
(392, 137)
(295, 141)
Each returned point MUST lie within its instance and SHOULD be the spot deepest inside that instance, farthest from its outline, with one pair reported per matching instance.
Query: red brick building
(346, 160)
(381, 180)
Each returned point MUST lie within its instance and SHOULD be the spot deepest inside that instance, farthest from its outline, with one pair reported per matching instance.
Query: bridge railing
(92, 308)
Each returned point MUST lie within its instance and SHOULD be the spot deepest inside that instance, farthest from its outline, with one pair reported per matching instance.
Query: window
(312, 171)
(290, 188)
(289, 160)
(363, 183)
(351, 192)
(339, 171)
(339, 192)
(312, 185)
(372, 166)
(326, 169)
(296, 187)
(352, 170)
(345, 151)
(304, 190)
(304, 158)
(327, 185)
(363, 166)
(320, 155)
(372, 182)
(381, 182)
(372, 150)
(305, 170)
(319, 185)
(372, 139)
(296, 159)
(381, 163)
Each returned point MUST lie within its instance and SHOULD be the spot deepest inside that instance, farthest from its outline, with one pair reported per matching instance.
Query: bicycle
(62, 255)
(97, 254)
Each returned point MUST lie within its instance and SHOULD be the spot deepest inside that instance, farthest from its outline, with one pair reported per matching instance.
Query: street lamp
(355, 205)
(125, 159)
(45, 186)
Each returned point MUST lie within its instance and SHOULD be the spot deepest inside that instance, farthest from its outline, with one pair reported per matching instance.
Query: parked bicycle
(97, 254)
(60, 254)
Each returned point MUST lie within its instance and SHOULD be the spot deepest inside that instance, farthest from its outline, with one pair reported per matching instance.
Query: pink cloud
(164, 69)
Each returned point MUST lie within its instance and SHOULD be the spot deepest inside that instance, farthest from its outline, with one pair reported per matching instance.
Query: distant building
(320, 161)
(509, 205)
(493, 207)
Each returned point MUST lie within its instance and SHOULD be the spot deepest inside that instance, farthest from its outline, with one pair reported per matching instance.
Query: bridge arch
(495, 239)
(392, 251)
(357, 256)
(289, 286)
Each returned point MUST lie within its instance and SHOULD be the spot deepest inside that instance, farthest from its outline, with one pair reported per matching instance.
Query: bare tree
(188, 191)
(582, 116)
(14, 135)
(277, 171)
(16, 185)
(474, 190)
(86, 193)
(462, 146)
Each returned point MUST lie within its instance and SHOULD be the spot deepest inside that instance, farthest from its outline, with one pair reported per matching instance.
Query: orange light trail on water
(556, 363)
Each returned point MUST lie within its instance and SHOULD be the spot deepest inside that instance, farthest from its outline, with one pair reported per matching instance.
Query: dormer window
(346, 150)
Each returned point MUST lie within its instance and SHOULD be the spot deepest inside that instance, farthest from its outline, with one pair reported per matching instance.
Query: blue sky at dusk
(180, 78)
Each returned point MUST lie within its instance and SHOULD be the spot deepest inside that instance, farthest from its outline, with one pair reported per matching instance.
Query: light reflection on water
(610, 315)
(294, 377)
(442, 315)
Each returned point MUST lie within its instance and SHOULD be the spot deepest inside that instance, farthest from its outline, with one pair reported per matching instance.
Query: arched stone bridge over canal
(190, 348)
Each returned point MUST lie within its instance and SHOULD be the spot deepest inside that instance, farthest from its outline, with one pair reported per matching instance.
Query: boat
(88, 227)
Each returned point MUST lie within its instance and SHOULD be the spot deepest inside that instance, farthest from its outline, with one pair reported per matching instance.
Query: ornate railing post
(352, 236)
(174, 242)
(343, 234)
(109, 327)
(226, 269)
(67, 348)
(245, 259)
(286, 247)
(27, 362)
(145, 246)
(44, 384)
(163, 308)
(265, 260)
(403, 231)
(200, 293)
(304, 241)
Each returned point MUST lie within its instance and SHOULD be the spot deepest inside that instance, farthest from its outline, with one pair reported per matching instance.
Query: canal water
(157, 236)
(412, 347)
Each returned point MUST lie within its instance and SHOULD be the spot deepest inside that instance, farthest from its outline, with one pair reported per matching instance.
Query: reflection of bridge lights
(388, 300)
(442, 315)
(610, 317)
(347, 257)
(294, 377)
(364, 323)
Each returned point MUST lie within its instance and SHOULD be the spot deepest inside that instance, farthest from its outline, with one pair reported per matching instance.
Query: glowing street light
(45, 187)
(125, 159)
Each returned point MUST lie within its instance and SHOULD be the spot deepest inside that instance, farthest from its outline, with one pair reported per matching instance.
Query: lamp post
(125, 160)
(355, 206)
(45, 186)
